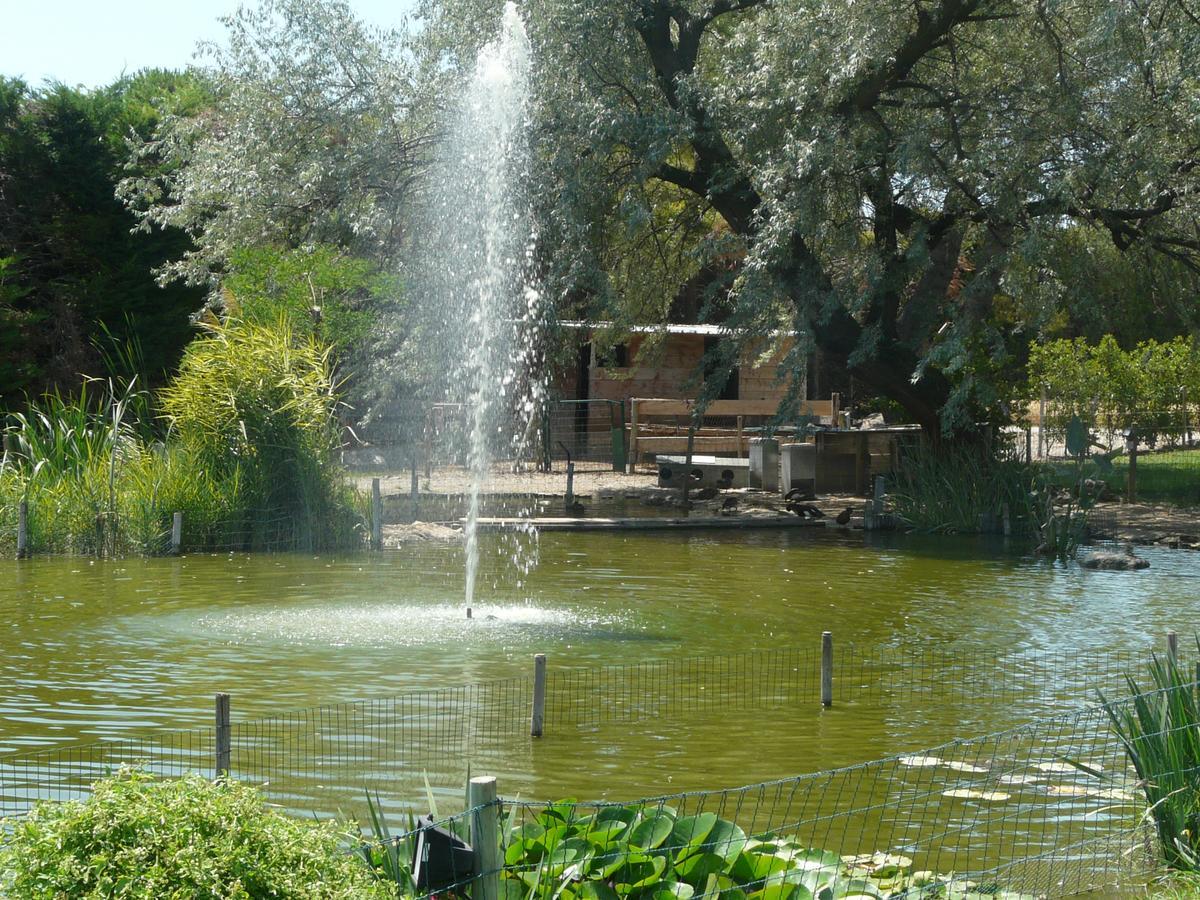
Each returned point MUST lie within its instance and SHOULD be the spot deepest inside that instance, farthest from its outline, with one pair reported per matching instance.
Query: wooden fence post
(485, 837)
(223, 736)
(22, 530)
(414, 487)
(569, 500)
(176, 532)
(1131, 473)
(1173, 645)
(537, 717)
(376, 515)
(827, 669)
(633, 436)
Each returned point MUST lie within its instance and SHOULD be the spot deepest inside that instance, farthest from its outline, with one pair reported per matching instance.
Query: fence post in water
(569, 500)
(485, 837)
(538, 717)
(376, 515)
(827, 668)
(176, 532)
(617, 425)
(414, 486)
(1173, 645)
(22, 530)
(223, 735)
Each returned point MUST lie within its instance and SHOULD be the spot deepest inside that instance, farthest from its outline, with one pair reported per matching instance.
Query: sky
(91, 42)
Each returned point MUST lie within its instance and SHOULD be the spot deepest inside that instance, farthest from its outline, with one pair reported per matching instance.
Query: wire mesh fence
(1044, 810)
(328, 759)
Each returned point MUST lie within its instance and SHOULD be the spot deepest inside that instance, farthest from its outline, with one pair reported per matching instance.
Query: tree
(309, 141)
(72, 274)
(887, 168)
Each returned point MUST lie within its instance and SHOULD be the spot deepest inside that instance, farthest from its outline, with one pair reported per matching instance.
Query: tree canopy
(893, 175)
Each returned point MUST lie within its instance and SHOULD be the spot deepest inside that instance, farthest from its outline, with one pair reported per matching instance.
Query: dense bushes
(194, 839)
(1152, 387)
(247, 456)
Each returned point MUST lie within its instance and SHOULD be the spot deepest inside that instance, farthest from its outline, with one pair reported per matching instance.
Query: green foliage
(1151, 386)
(73, 264)
(963, 489)
(650, 851)
(254, 405)
(248, 459)
(139, 838)
(1160, 729)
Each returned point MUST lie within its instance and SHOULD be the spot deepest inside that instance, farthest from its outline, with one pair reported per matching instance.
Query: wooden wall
(668, 370)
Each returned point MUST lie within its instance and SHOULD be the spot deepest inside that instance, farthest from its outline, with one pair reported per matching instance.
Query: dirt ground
(1137, 523)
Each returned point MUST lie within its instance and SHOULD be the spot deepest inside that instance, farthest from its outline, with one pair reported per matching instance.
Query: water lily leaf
(557, 813)
(726, 839)
(972, 794)
(669, 890)
(1018, 779)
(920, 762)
(879, 864)
(640, 874)
(813, 859)
(595, 890)
(690, 831)
(964, 767)
(751, 868)
(651, 831)
(856, 888)
(697, 868)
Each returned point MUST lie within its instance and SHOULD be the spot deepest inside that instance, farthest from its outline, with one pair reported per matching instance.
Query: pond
(97, 650)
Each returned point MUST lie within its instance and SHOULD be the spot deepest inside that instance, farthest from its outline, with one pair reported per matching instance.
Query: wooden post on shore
(414, 487)
(1173, 645)
(485, 837)
(1131, 473)
(874, 511)
(569, 500)
(827, 669)
(687, 462)
(376, 515)
(633, 436)
(223, 736)
(176, 532)
(1043, 449)
(22, 529)
(537, 717)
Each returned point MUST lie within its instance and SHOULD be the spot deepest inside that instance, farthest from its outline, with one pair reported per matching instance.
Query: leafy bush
(139, 838)
(1161, 733)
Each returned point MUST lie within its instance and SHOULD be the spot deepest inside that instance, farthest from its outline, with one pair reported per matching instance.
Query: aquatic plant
(1160, 730)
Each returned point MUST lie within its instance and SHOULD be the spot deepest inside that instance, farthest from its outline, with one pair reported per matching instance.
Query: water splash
(480, 268)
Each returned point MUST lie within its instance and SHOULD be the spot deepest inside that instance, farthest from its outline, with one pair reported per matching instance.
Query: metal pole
(223, 736)
(485, 837)
(538, 716)
(827, 669)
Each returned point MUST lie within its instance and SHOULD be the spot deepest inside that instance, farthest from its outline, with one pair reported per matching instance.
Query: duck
(801, 494)
(843, 518)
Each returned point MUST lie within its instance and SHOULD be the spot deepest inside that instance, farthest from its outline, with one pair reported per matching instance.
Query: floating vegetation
(973, 794)
(965, 767)
(919, 762)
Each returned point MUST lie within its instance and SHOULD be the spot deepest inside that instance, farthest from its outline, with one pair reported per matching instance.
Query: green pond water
(99, 650)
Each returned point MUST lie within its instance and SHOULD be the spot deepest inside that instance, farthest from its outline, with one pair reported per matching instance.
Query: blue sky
(90, 42)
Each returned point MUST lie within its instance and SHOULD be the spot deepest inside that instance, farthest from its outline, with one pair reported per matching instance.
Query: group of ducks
(797, 501)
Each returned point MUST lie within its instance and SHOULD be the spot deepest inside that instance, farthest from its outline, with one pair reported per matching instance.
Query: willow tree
(889, 173)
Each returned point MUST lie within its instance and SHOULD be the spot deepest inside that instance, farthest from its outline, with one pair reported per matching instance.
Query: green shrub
(139, 838)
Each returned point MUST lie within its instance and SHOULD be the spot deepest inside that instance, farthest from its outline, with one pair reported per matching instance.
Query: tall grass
(248, 457)
(1160, 730)
(963, 490)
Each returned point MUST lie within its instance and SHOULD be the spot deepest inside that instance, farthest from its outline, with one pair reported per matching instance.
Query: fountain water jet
(478, 269)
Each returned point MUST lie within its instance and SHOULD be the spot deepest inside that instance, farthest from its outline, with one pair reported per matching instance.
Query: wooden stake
(485, 837)
(414, 489)
(633, 435)
(1173, 645)
(569, 500)
(538, 717)
(827, 669)
(223, 736)
(22, 530)
(376, 516)
(176, 532)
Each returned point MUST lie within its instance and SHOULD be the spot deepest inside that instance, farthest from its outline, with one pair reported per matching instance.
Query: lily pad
(1018, 779)
(972, 794)
(651, 831)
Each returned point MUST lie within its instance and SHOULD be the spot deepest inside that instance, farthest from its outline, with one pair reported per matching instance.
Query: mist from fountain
(478, 268)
